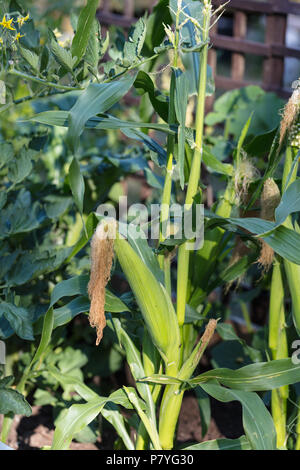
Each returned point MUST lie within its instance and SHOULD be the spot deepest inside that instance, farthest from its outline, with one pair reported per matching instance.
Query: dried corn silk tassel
(244, 175)
(270, 198)
(102, 253)
(290, 114)
(208, 334)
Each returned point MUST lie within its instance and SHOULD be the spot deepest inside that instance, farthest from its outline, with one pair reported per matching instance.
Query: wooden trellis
(273, 50)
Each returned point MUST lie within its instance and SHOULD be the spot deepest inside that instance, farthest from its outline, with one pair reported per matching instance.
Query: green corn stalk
(279, 349)
(172, 398)
(183, 253)
(166, 196)
(292, 270)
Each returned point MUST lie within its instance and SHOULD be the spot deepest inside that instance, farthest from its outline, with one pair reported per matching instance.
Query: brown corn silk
(208, 334)
(290, 114)
(270, 198)
(102, 252)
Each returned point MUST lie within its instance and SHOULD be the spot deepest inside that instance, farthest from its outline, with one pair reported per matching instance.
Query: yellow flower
(21, 20)
(57, 33)
(18, 36)
(1, 42)
(7, 23)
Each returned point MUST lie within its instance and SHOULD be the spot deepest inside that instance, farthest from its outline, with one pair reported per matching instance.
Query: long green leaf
(241, 443)
(254, 377)
(96, 98)
(257, 421)
(84, 28)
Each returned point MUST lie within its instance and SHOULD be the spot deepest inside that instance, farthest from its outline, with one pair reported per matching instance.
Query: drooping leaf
(95, 99)
(19, 319)
(257, 421)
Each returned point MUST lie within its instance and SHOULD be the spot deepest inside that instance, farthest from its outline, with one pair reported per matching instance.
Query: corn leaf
(96, 98)
(257, 421)
(254, 377)
(241, 443)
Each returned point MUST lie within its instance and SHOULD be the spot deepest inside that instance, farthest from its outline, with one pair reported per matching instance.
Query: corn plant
(176, 319)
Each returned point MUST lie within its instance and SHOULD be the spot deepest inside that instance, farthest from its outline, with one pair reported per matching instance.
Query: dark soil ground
(37, 431)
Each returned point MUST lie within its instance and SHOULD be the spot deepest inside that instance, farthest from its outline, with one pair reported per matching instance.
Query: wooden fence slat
(239, 32)
(267, 7)
(273, 49)
(274, 66)
(251, 47)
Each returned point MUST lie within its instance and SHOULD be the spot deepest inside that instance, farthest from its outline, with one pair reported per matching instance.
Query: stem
(279, 348)
(172, 398)
(183, 253)
(26, 76)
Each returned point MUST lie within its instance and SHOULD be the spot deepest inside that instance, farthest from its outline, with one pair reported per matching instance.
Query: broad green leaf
(20, 167)
(19, 319)
(241, 443)
(12, 401)
(7, 153)
(257, 421)
(32, 264)
(20, 216)
(84, 28)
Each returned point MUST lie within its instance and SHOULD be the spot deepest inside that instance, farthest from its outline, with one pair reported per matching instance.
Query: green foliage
(72, 137)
